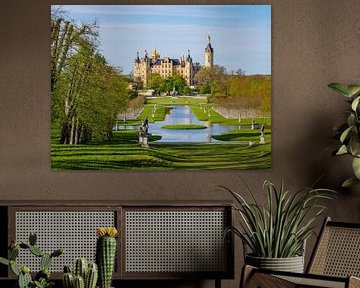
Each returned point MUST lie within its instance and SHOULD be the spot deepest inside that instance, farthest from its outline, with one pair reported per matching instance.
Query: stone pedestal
(143, 141)
(262, 140)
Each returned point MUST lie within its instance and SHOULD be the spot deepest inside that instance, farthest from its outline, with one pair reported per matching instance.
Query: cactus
(24, 278)
(80, 267)
(68, 280)
(36, 251)
(91, 276)
(79, 282)
(88, 273)
(13, 253)
(105, 255)
(14, 268)
(32, 238)
(45, 261)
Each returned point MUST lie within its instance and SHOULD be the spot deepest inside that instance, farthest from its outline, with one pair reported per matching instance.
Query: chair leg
(217, 283)
(246, 273)
(250, 278)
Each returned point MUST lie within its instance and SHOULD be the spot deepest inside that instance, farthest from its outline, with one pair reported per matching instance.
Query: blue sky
(240, 34)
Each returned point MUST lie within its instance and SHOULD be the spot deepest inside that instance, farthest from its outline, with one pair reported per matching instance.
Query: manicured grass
(243, 135)
(153, 114)
(183, 127)
(160, 157)
(176, 101)
(206, 113)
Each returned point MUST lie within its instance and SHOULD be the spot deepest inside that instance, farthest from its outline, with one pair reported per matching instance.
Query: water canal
(181, 114)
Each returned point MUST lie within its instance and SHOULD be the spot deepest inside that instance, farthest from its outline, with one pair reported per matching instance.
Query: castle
(167, 66)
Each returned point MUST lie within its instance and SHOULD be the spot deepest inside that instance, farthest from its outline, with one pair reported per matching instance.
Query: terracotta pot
(291, 264)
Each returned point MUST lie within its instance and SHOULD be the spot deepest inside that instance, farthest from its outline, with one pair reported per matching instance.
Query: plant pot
(291, 264)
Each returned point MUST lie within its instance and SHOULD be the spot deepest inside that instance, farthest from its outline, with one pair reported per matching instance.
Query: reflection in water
(183, 115)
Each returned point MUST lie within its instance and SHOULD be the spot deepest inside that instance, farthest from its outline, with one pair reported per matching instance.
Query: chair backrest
(337, 251)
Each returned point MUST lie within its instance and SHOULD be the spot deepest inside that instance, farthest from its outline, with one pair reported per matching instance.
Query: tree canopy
(86, 92)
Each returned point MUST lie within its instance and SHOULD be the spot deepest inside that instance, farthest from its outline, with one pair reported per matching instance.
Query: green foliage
(248, 92)
(42, 278)
(89, 93)
(43, 283)
(176, 82)
(279, 229)
(349, 132)
(212, 80)
(156, 83)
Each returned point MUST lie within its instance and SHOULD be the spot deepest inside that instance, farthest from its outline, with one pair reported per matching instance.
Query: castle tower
(209, 55)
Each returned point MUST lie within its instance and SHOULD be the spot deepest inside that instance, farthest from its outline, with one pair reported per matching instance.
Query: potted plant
(349, 132)
(42, 278)
(276, 233)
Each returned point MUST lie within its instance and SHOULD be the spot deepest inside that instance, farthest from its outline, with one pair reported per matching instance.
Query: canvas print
(160, 87)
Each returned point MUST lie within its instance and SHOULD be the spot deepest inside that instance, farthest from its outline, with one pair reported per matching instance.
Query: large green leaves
(349, 131)
(345, 90)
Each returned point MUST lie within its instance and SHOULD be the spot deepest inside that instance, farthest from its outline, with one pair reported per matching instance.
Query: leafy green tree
(212, 80)
(88, 94)
(177, 82)
(156, 83)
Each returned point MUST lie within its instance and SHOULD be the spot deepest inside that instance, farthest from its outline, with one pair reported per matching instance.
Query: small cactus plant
(42, 278)
(106, 254)
(85, 275)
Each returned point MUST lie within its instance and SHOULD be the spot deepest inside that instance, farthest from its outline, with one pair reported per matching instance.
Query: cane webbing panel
(313, 282)
(338, 252)
(175, 241)
(74, 231)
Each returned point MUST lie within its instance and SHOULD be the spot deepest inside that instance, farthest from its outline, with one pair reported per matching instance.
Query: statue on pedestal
(143, 133)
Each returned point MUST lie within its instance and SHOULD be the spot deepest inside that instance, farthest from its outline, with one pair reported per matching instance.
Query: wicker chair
(334, 263)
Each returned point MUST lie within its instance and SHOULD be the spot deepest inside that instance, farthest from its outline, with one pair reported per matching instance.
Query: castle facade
(166, 66)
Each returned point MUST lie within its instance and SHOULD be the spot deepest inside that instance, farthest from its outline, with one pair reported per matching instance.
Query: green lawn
(243, 135)
(124, 153)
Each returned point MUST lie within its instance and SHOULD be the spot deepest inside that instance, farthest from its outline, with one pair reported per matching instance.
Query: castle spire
(209, 54)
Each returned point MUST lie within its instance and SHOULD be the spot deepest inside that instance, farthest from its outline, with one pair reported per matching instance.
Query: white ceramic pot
(291, 264)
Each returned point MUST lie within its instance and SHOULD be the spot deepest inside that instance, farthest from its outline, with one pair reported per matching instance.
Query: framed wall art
(160, 87)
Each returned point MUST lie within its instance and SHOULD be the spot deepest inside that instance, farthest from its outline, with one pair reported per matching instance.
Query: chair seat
(267, 279)
(315, 282)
